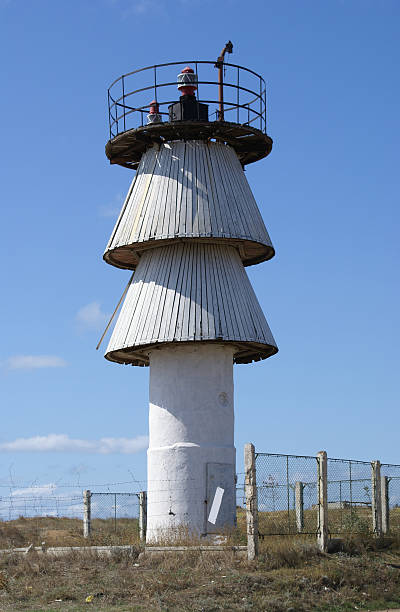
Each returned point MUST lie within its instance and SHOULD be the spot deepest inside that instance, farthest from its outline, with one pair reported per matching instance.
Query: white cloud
(143, 6)
(32, 362)
(64, 444)
(35, 490)
(109, 211)
(91, 316)
(113, 208)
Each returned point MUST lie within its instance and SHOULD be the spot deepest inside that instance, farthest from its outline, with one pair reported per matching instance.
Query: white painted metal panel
(191, 189)
(190, 292)
(221, 498)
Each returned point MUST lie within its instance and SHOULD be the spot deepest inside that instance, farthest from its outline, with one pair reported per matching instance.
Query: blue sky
(329, 194)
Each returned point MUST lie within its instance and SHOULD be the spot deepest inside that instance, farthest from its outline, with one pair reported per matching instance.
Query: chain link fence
(349, 496)
(361, 498)
(288, 502)
(287, 494)
(115, 515)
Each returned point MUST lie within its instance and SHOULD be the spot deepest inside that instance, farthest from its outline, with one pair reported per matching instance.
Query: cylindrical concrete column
(191, 448)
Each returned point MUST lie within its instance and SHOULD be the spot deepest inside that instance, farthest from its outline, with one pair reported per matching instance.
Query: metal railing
(130, 95)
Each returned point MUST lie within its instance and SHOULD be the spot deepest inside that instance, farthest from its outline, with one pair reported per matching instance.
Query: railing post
(385, 503)
(251, 501)
(86, 513)
(376, 498)
(299, 505)
(322, 468)
(142, 515)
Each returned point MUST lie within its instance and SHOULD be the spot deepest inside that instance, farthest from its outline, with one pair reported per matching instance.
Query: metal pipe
(115, 311)
(220, 65)
(221, 92)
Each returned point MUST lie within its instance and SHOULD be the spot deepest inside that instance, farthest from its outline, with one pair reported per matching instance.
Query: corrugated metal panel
(190, 292)
(189, 190)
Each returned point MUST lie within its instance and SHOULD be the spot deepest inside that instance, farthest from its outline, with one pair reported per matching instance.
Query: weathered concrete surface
(323, 533)
(251, 501)
(103, 551)
(191, 428)
(163, 550)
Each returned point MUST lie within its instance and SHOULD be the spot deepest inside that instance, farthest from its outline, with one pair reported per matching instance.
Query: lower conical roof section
(190, 292)
(192, 190)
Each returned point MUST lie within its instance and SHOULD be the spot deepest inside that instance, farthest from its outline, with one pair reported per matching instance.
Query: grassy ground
(341, 521)
(66, 532)
(290, 575)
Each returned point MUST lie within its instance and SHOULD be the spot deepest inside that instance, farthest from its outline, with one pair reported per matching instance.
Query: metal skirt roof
(190, 292)
(189, 190)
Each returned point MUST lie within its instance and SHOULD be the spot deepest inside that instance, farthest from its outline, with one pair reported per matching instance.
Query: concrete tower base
(191, 448)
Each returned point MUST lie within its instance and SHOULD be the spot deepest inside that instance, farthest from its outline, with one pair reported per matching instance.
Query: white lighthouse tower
(188, 228)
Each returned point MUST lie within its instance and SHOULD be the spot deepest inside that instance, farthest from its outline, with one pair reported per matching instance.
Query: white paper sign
(212, 517)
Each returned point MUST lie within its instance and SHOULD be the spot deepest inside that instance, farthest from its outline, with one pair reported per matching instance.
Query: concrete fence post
(376, 498)
(86, 513)
(322, 532)
(385, 503)
(299, 505)
(251, 501)
(142, 515)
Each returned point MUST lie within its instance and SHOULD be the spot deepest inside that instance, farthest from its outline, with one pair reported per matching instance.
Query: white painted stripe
(216, 505)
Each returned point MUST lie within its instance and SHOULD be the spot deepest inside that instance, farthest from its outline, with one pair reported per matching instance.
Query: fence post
(385, 503)
(322, 467)
(251, 501)
(142, 515)
(299, 505)
(86, 513)
(376, 498)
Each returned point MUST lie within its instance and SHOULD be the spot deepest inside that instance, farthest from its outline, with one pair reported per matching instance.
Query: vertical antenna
(220, 65)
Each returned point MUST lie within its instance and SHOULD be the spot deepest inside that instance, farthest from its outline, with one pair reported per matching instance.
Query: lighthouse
(188, 228)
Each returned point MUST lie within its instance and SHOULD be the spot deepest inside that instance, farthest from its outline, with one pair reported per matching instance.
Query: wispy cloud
(127, 8)
(34, 362)
(112, 208)
(161, 8)
(35, 490)
(62, 443)
(91, 316)
(142, 6)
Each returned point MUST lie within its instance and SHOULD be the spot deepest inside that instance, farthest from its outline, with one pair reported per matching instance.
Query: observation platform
(235, 102)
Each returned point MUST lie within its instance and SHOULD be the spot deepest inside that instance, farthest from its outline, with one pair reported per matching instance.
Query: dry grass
(66, 532)
(341, 521)
(290, 575)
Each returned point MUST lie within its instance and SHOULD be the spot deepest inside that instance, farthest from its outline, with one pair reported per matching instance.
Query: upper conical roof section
(189, 190)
